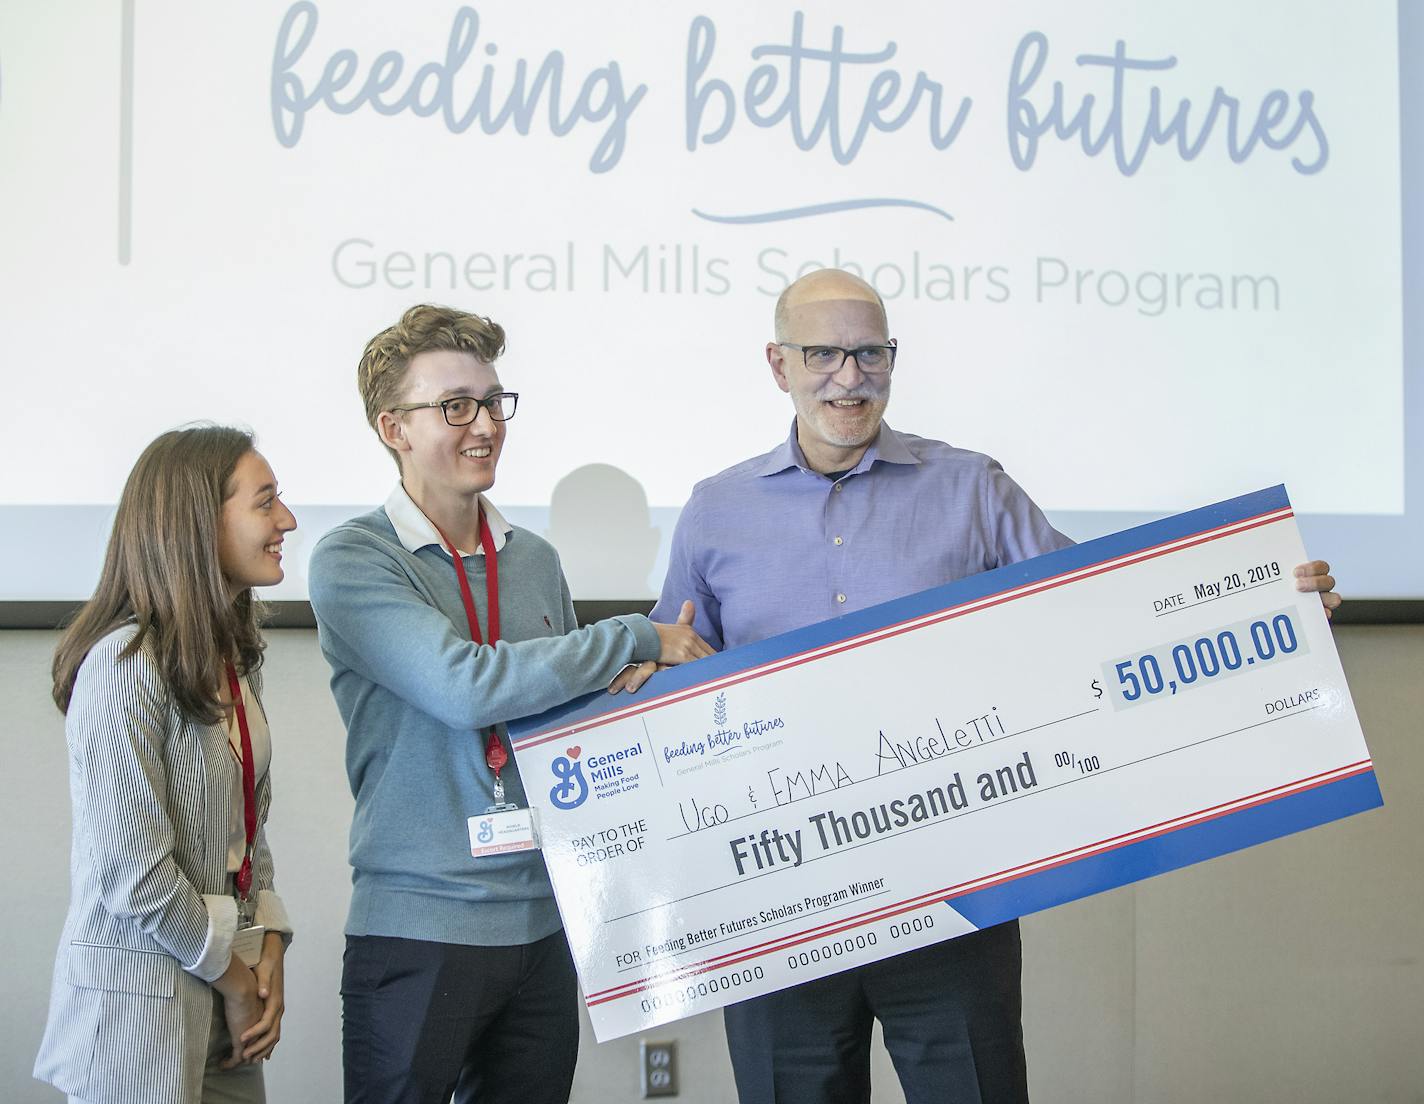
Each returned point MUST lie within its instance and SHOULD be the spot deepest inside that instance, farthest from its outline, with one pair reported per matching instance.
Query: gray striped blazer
(150, 920)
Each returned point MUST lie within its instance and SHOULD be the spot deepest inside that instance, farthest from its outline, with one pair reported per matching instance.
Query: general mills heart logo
(569, 790)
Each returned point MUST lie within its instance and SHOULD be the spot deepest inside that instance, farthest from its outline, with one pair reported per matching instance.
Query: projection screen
(1147, 256)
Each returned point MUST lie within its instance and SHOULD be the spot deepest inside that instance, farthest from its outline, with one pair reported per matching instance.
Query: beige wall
(1293, 972)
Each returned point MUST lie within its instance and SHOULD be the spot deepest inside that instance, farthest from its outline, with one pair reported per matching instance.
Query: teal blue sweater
(414, 693)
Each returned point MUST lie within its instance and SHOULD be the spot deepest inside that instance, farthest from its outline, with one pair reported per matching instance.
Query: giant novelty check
(943, 762)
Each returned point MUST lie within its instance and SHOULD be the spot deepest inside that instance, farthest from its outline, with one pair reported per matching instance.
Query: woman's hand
(259, 1039)
(241, 1005)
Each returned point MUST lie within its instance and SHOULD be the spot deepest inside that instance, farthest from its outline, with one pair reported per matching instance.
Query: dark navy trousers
(952, 1014)
(422, 1021)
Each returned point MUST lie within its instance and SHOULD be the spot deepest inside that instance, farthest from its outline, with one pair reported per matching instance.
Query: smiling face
(441, 463)
(837, 415)
(251, 526)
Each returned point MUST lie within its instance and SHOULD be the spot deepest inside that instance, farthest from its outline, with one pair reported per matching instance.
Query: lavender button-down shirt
(770, 545)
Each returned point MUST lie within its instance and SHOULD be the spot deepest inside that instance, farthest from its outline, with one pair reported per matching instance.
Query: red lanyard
(249, 784)
(495, 755)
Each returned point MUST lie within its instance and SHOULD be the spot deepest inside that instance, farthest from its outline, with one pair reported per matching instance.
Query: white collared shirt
(415, 530)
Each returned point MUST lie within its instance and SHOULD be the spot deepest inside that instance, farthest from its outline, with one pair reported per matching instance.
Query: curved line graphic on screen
(823, 209)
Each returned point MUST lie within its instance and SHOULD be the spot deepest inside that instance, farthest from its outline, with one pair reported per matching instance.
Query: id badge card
(502, 830)
(247, 944)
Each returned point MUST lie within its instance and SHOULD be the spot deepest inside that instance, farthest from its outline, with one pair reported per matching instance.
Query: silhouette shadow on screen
(599, 522)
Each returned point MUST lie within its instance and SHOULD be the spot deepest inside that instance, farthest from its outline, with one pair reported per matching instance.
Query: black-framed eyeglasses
(826, 360)
(464, 409)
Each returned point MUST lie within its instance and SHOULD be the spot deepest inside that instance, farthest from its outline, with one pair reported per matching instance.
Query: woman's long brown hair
(161, 572)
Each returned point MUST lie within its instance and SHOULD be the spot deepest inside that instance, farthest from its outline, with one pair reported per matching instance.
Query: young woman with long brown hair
(168, 980)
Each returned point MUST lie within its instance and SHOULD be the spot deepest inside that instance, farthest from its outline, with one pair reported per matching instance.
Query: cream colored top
(261, 737)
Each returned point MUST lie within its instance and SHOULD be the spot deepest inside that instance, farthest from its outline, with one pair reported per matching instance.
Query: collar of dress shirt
(415, 530)
(887, 446)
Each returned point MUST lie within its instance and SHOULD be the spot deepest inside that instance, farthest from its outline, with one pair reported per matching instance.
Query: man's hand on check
(1316, 576)
(632, 677)
(680, 645)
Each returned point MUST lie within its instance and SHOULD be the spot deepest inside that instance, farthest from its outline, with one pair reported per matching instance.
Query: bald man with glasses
(859, 514)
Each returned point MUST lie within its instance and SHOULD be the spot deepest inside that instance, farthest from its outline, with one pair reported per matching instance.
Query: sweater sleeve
(373, 620)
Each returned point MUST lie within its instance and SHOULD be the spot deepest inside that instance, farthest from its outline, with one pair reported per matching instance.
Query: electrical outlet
(659, 1068)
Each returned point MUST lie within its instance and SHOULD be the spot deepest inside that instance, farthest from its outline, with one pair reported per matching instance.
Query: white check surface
(979, 759)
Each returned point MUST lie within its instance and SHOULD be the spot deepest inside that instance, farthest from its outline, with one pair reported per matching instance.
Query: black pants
(423, 1020)
(951, 1013)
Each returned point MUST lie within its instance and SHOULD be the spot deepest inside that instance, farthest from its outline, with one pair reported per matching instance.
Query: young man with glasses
(441, 621)
(863, 514)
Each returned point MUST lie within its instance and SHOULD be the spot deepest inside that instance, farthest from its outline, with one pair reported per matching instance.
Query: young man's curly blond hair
(422, 329)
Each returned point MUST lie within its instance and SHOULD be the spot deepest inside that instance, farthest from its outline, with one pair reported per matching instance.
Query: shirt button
(839, 541)
(836, 486)
(840, 597)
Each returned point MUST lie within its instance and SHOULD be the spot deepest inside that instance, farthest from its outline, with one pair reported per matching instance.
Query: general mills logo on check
(944, 762)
